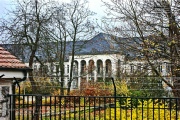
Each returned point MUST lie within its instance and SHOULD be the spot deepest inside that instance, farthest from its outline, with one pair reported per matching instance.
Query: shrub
(44, 85)
(146, 87)
(96, 89)
(122, 88)
(145, 110)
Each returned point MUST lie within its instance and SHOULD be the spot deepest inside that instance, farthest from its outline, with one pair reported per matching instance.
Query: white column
(95, 70)
(114, 68)
(104, 69)
(87, 75)
(164, 72)
(79, 73)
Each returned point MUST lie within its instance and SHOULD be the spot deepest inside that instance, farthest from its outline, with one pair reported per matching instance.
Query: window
(82, 68)
(45, 70)
(160, 68)
(35, 67)
(139, 67)
(132, 68)
(168, 67)
(91, 66)
(98, 69)
(75, 69)
(106, 68)
(52, 68)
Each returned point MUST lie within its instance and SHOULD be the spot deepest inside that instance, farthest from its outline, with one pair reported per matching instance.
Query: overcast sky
(3, 5)
(95, 5)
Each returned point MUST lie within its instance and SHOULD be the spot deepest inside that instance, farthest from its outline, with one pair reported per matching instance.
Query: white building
(101, 58)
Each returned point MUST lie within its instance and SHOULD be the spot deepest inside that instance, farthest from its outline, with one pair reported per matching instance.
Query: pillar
(4, 102)
(95, 71)
(104, 69)
(79, 74)
(87, 75)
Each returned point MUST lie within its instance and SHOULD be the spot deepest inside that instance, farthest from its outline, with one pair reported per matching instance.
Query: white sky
(3, 4)
(94, 5)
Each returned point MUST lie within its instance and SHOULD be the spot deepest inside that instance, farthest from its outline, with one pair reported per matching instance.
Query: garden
(98, 101)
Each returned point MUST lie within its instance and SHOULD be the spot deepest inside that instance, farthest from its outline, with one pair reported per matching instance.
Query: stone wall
(4, 91)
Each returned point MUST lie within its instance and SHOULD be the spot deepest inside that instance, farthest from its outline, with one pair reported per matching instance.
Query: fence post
(114, 97)
(38, 105)
(13, 100)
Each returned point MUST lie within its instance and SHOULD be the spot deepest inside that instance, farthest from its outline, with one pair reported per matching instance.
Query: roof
(100, 44)
(9, 61)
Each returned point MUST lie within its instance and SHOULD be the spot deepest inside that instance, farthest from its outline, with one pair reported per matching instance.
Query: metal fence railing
(47, 107)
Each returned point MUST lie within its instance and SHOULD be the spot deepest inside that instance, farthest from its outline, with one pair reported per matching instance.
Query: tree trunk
(34, 88)
(62, 85)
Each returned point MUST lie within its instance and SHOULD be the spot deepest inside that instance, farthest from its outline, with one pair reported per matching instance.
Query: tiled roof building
(7, 60)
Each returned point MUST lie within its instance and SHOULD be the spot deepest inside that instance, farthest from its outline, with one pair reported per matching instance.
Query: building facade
(100, 59)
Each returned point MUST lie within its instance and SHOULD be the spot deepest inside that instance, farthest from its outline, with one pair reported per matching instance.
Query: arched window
(99, 67)
(91, 66)
(83, 66)
(75, 68)
(132, 68)
(108, 67)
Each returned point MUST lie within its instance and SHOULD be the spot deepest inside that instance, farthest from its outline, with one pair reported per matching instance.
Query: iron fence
(47, 107)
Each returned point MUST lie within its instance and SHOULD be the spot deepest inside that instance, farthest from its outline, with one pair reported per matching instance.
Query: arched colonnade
(92, 69)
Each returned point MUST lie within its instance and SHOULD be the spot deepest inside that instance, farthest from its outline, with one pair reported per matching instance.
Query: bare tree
(155, 23)
(80, 28)
(27, 25)
(69, 29)
(55, 48)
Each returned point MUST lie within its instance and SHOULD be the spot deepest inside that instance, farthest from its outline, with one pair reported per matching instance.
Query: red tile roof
(7, 60)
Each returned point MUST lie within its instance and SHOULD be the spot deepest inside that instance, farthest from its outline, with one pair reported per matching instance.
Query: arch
(99, 67)
(83, 67)
(108, 67)
(91, 67)
(75, 68)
